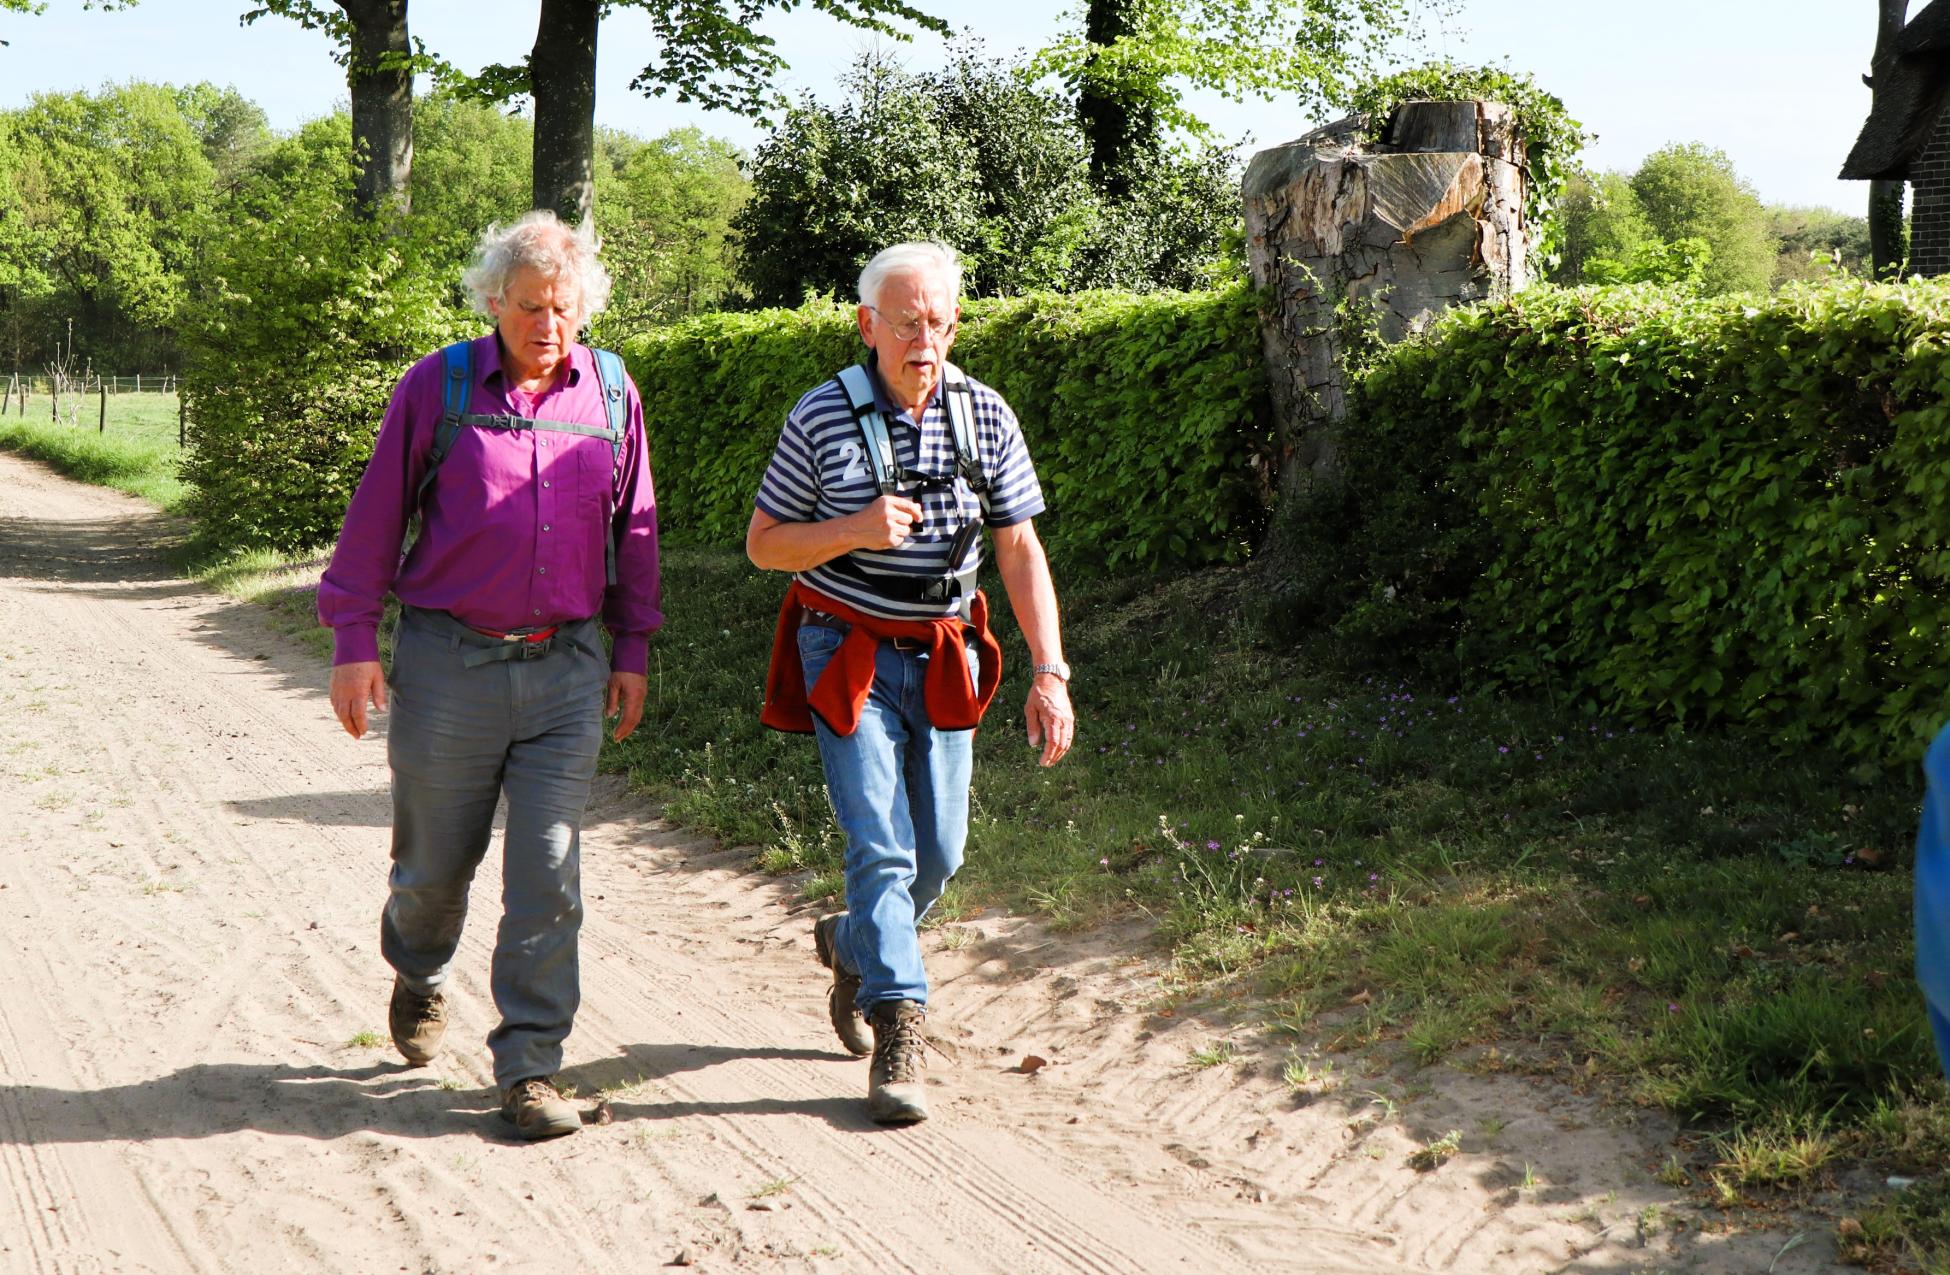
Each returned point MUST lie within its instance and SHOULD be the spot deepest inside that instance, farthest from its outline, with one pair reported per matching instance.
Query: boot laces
(426, 1009)
(899, 1049)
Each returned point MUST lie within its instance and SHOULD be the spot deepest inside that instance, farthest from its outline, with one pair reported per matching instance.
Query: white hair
(923, 257)
(542, 243)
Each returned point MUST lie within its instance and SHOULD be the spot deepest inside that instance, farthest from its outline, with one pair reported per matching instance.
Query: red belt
(520, 635)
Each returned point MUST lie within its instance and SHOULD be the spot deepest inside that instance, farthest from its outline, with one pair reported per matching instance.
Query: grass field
(136, 452)
(1396, 874)
(1386, 874)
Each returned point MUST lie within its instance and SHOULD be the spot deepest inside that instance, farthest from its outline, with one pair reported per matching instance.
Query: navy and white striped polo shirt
(820, 470)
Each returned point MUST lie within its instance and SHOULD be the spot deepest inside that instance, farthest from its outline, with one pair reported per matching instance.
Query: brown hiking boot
(896, 1093)
(418, 1023)
(842, 999)
(536, 1110)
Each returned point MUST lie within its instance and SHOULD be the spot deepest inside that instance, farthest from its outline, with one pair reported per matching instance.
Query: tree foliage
(665, 208)
(102, 195)
(1602, 221)
(1816, 243)
(305, 316)
(1684, 217)
(1692, 191)
(1132, 61)
(978, 157)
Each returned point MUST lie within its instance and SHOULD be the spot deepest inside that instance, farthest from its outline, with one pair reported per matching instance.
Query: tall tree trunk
(382, 104)
(1886, 197)
(1115, 126)
(562, 74)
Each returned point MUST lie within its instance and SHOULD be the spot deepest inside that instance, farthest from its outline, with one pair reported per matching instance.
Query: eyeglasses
(939, 329)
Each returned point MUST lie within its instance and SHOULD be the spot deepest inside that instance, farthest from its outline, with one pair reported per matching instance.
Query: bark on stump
(1354, 241)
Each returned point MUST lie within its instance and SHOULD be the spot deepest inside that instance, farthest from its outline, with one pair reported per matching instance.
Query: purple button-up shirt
(512, 534)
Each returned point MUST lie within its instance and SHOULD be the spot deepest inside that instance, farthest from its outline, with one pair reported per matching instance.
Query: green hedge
(1144, 413)
(1680, 509)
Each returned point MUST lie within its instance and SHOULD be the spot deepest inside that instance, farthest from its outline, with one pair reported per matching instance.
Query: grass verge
(135, 452)
(1401, 874)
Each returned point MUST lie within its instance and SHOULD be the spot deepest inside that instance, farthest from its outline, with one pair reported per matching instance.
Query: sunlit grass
(136, 452)
(1398, 870)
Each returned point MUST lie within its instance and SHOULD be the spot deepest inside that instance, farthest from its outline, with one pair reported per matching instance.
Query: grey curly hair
(540, 241)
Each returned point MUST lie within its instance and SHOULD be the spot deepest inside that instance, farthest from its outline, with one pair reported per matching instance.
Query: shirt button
(536, 613)
(541, 571)
(544, 526)
(545, 482)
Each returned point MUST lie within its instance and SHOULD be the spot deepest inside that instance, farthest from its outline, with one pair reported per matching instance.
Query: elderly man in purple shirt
(499, 683)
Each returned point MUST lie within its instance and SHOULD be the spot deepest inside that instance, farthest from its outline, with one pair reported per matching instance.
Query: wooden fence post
(182, 433)
(101, 425)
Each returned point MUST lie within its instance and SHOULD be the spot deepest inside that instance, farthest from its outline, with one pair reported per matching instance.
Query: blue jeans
(899, 789)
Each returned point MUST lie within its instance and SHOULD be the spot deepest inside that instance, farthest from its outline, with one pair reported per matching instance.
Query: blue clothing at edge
(1933, 894)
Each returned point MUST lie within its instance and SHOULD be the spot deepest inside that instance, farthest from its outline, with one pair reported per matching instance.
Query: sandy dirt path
(192, 857)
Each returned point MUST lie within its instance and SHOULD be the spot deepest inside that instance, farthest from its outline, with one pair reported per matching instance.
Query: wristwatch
(1057, 667)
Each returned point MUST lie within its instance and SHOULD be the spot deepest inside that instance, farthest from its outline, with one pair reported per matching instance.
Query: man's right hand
(887, 522)
(353, 687)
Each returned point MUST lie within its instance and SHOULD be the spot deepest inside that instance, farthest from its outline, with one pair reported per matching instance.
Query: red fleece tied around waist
(953, 700)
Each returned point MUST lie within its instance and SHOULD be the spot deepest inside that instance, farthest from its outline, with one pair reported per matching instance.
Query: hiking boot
(896, 1093)
(537, 1110)
(842, 1000)
(418, 1023)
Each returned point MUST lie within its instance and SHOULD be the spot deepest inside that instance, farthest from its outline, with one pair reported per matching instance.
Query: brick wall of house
(1929, 176)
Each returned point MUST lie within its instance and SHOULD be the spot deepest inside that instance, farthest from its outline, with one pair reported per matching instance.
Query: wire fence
(40, 383)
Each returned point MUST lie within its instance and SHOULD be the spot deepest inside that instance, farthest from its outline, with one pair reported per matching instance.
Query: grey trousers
(457, 739)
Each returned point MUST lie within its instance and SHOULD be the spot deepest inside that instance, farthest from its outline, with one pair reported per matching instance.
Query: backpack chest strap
(508, 422)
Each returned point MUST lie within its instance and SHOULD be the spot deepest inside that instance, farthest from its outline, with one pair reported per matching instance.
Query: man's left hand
(1052, 722)
(626, 692)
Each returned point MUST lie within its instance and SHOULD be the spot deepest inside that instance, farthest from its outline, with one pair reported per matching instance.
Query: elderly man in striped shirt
(872, 499)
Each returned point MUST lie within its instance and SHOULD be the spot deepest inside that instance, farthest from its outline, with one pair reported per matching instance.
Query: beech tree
(711, 53)
(1131, 62)
(379, 61)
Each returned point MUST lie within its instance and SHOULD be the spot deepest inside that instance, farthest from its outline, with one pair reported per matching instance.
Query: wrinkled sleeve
(1015, 493)
(633, 607)
(366, 560)
(790, 489)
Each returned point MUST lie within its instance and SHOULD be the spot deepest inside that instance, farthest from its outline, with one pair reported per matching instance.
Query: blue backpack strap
(457, 389)
(857, 385)
(610, 376)
(960, 404)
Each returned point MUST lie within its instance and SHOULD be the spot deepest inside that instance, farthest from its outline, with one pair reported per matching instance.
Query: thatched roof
(1912, 87)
